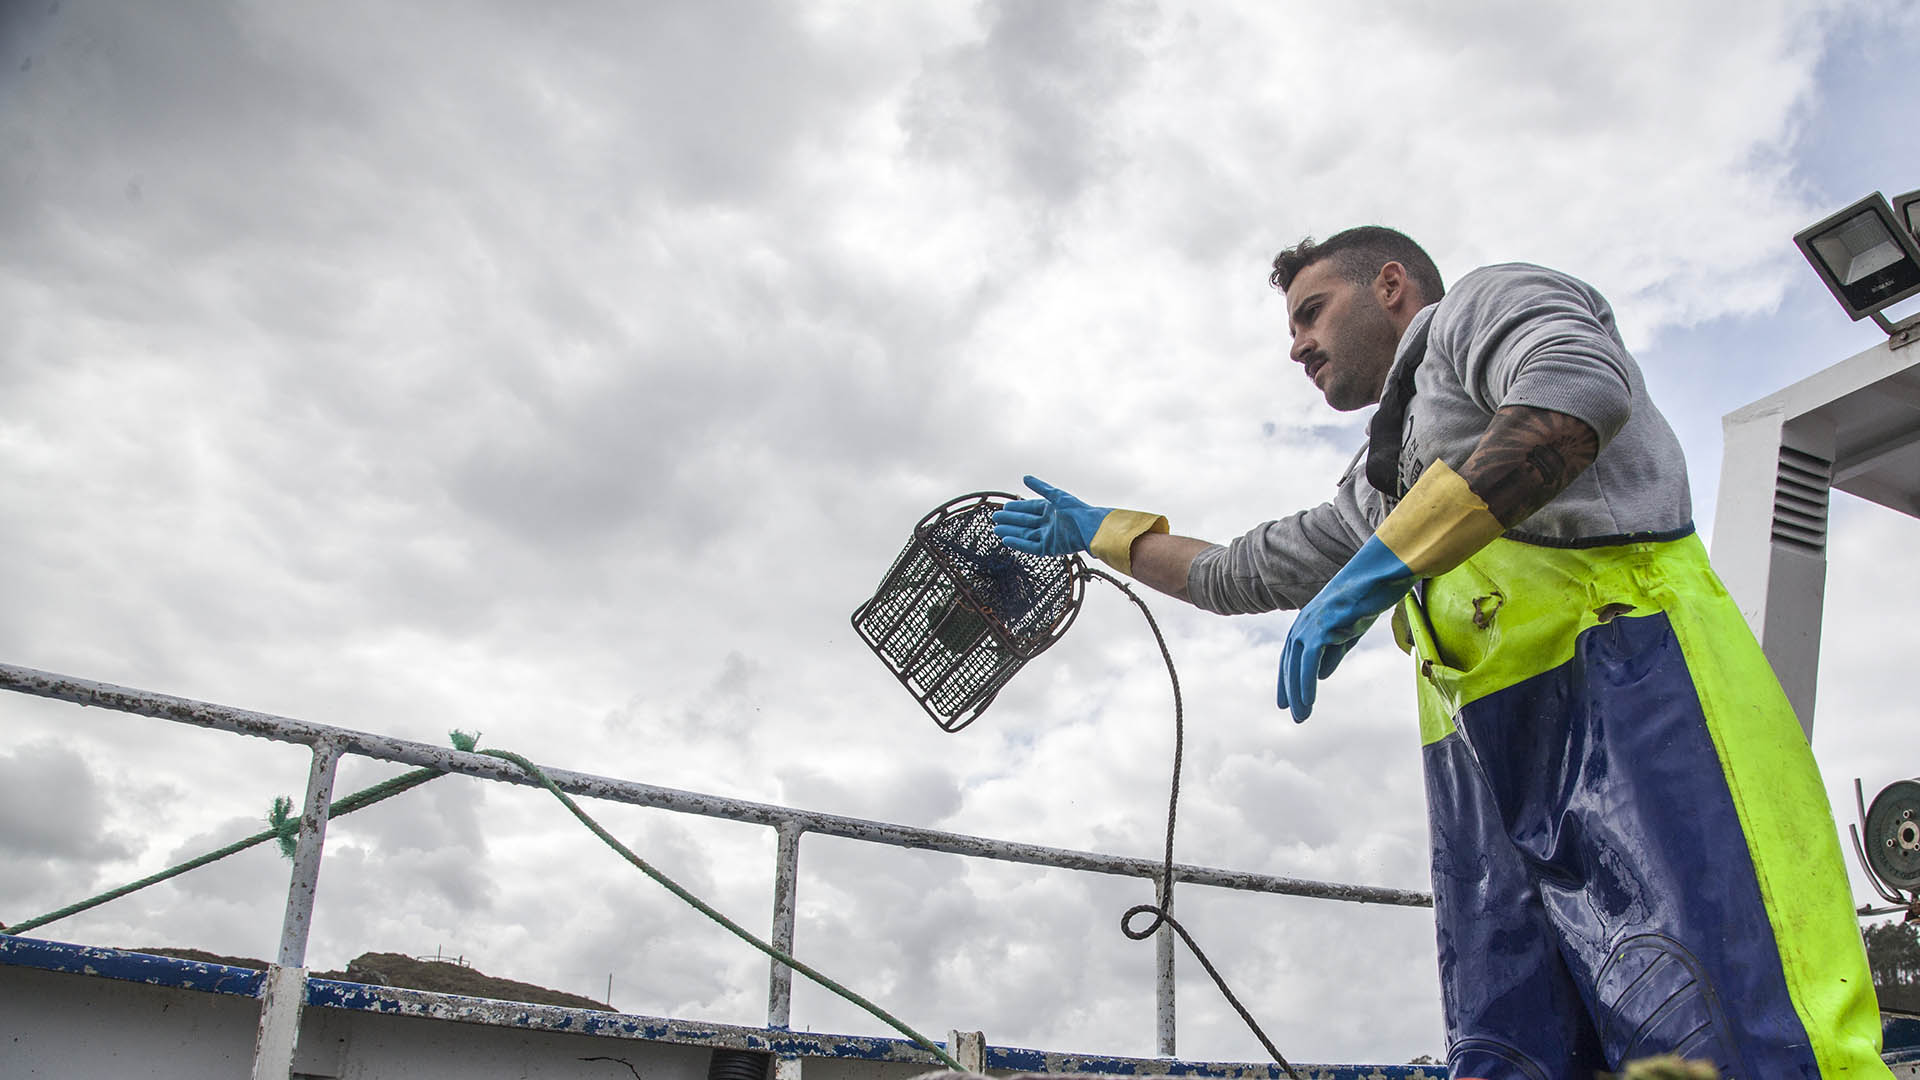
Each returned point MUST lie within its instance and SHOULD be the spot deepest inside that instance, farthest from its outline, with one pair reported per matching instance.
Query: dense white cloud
(570, 375)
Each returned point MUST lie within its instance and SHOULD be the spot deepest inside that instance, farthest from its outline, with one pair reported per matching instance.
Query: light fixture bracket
(1899, 334)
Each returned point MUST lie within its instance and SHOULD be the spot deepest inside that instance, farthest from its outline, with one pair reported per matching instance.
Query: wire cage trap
(960, 612)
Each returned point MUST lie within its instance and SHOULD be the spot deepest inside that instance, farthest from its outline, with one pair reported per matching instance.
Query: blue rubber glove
(1372, 581)
(1054, 524)
(1438, 525)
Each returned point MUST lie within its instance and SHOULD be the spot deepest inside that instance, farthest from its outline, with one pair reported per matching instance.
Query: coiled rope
(1162, 909)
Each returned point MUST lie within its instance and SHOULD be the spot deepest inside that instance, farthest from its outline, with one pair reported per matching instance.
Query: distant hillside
(394, 969)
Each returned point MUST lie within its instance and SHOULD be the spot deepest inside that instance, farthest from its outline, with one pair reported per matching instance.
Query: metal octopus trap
(960, 612)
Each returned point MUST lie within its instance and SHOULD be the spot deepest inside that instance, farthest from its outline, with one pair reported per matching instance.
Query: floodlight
(1906, 209)
(1866, 256)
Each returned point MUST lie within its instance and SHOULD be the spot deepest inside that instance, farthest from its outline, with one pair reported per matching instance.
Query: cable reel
(1887, 841)
(1891, 836)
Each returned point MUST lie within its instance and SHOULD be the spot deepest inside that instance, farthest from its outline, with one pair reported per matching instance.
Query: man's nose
(1302, 345)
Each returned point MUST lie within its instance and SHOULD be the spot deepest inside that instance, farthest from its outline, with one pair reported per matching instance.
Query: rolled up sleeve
(1525, 335)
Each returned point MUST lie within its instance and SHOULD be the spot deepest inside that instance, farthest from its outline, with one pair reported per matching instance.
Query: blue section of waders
(1593, 891)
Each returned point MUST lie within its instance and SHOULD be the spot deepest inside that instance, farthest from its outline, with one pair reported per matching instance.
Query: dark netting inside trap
(960, 612)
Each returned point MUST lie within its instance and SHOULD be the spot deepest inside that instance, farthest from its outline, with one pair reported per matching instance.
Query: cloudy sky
(569, 373)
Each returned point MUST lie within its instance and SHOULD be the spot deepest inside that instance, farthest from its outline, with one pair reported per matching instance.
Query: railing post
(284, 990)
(1163, 975)
(969, 1048)
(786, 884)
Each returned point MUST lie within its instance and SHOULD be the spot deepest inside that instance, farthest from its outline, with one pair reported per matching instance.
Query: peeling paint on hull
(327, 994)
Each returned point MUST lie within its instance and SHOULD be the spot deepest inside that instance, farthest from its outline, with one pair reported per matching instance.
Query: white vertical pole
(969, 1048)
(1163, 981)
(786, 885)
(284, 988)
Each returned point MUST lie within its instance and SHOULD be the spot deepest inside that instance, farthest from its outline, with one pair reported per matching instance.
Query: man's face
(1342, 337)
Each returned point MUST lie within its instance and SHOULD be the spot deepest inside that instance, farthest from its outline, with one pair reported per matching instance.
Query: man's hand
(1059, 524)
(1435, 528)
(1054, 524)
(1372, 581)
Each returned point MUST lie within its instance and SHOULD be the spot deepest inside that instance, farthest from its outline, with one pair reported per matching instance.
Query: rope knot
(284, 825)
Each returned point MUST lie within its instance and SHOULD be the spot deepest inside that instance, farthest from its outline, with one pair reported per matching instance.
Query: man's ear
(1393, 288)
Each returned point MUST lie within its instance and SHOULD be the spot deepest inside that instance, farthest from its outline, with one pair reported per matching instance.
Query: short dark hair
(1358, 255)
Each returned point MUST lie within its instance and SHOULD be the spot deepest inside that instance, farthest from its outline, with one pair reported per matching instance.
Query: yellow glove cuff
(1439, 524)
(1113, 542)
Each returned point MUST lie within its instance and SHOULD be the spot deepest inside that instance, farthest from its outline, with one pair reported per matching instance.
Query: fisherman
(1632, 849)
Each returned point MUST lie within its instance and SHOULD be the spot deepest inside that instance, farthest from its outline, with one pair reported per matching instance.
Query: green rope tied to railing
(706, 909)
(282, 826)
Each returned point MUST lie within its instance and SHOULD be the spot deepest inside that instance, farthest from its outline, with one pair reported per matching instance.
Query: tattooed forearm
(1527, 457)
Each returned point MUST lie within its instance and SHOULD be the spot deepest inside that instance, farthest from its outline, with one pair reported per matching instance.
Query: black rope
(1162, 910)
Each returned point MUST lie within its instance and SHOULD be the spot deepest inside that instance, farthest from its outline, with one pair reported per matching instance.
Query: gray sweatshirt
(1512, 334)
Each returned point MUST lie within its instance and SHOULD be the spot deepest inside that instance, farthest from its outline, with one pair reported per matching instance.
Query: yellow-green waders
(1632, 849)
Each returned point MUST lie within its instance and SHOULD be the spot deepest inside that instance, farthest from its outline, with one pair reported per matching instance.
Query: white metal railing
(285, 981)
